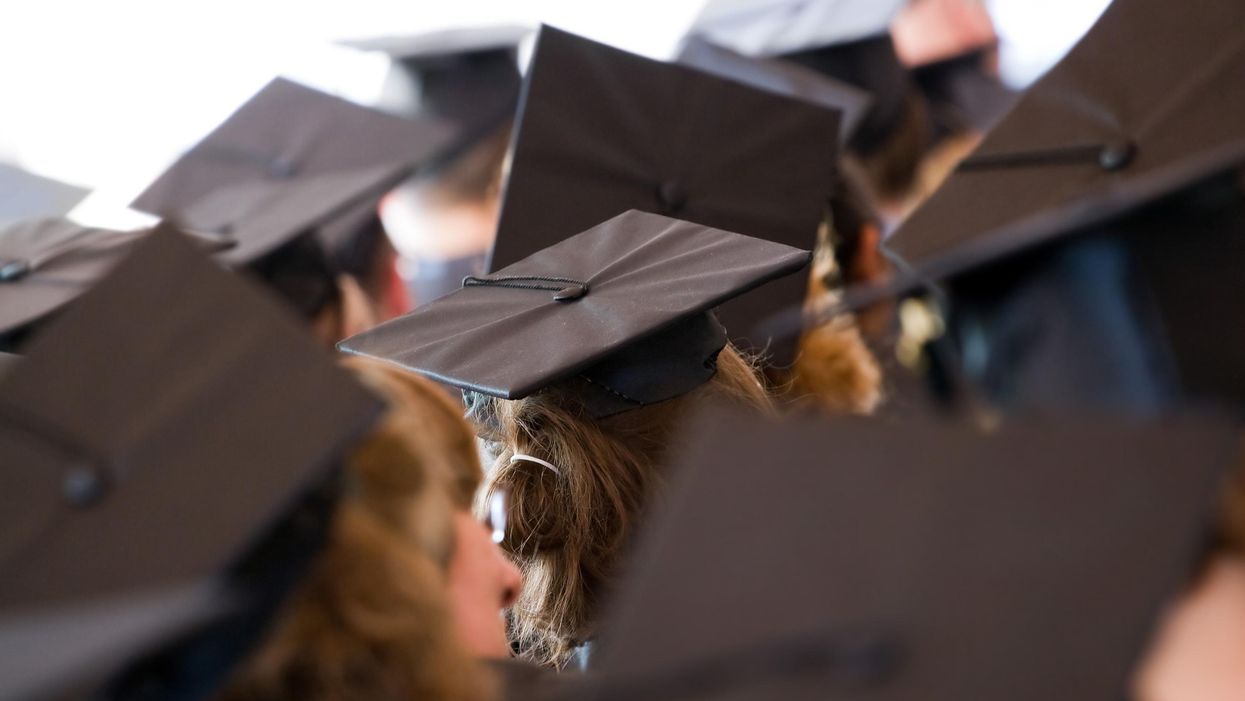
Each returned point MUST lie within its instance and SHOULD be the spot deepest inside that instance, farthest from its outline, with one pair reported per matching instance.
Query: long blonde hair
(568, 531)
(370, 621)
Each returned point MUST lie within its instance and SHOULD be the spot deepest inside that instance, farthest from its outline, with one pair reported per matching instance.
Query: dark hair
(301, 273)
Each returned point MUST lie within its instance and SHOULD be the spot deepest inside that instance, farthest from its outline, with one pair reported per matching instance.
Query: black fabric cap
(601, 131)
(47, 263)
(287, 133)
(636, 277)
(24, 195)
(156, 429)
(8, 361)
(962, 95)
(262, 215)
(1149, 101)
(870, 64)
(938, 563)
(782, 77)
(468, 77)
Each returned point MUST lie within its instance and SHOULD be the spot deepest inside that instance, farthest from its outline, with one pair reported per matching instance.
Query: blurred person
(1198, 652)
(445, 219)
(407, 597)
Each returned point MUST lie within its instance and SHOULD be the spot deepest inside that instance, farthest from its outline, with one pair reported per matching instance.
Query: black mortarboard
(8, 361)
(620, 309)
(153, 441)
(962, 94)
(601, 131)
(287, 133)
(47, 263)
(263, 215)
(24, 195)
(782, 77)
(934, 563)
(1103, 221)
(870, 64)
(468, 77)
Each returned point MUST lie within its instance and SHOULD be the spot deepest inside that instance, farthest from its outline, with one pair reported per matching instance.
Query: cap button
(14, 269)
(84, 486)
(1116, 156)
(281, 168)
(570, 294)
(672, 195)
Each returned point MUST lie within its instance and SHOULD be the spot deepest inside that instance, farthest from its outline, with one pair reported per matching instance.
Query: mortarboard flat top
(448, 42)
(47, 263)
(288, 132)
(602, 131)
(155, 430)
(467, 76)
(782, 77)
(262, 215)
(8, 361)
(772, 27)
(1146, 103)
(641, 274)
(24, 195)
(1029, 563)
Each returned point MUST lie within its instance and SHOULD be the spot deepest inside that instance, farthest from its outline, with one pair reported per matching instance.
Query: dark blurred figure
(445, 218)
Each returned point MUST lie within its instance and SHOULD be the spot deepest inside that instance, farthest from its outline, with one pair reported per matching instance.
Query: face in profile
(482, 582)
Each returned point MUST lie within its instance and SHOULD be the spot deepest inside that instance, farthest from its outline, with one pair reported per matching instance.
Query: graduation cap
(1029, 563)
(8, 361)
(1092, 242)
(288, 133)
(466, 76)
(621, 311)
(871, 64)
(47, 263)
(780, 77)
(601, 131)
(962, 94)
(24, 195)
(167, 445)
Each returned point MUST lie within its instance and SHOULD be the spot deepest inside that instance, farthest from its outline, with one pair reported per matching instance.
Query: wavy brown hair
(568, 532)
(370, 620)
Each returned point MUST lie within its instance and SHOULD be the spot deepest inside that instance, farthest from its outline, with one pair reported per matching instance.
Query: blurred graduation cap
(167, 446)
(468, 76)
(963, 94)
(949, 45)
(24, 195)
(47, 263)
(287, 134)
(1029, 563)
(780, 77)
(1091, 245)
(602, 131)
(8, 361)
(620, 311)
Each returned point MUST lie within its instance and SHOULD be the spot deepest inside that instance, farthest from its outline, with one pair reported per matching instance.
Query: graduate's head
(584, 356)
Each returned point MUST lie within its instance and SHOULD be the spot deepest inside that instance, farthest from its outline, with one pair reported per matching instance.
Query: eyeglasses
(495, 515)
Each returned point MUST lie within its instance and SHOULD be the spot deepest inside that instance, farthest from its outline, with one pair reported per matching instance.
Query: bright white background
(106, 93)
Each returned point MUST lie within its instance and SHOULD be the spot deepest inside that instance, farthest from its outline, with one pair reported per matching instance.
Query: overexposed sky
(107, 93)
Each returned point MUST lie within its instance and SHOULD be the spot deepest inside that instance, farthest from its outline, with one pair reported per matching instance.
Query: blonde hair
(834, 369)
(569, 530)
(370, 621)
